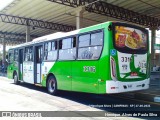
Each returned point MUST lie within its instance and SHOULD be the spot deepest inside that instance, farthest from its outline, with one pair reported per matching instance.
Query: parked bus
(111, 57)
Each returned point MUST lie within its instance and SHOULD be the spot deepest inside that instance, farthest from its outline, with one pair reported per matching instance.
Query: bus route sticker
(113, 52)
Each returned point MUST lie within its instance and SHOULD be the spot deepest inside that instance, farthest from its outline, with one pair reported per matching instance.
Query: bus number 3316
(89, 69)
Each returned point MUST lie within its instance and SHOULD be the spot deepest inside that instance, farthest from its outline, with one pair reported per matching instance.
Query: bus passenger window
(97, 38)
(84, 40)
(49, 46)
(50, 52)
(68, 50)
(93, 50)
(11, 55)
(15, 55)
(54, 45)
(66, 43)
(28, 54)
(45, 51)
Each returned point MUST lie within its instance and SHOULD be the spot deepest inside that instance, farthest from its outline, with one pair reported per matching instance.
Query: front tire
(15, 77)
(52, 85)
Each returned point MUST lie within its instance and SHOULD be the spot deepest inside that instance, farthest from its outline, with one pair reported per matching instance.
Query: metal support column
(79, 17)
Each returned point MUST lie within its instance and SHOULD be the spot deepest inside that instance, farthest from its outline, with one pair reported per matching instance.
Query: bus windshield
(130, 39)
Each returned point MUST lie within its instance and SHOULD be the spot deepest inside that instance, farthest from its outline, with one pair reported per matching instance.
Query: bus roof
(57, 35)
(50, 37)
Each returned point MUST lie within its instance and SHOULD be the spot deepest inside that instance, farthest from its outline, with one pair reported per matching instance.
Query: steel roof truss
(14, 36)
(104, 8)
(35, 23)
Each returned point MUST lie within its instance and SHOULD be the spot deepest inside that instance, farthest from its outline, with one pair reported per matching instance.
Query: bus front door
(38, 62)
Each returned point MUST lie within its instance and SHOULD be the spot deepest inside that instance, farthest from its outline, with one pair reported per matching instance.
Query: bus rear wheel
(15, 77)
(52, 85)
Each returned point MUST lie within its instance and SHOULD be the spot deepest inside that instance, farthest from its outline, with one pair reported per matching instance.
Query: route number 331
(126, 59)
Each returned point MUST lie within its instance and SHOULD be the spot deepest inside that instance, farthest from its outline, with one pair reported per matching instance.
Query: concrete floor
(27, 97)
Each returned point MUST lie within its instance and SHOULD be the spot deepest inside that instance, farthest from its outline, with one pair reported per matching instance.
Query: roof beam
(11, 42)
(35, 23)
(11, 37)
(103, 8)
(73, 3)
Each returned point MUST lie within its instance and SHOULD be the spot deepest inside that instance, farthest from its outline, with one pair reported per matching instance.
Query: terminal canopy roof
(48, 16)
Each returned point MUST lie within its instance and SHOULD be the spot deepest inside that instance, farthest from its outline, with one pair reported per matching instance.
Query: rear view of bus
(129, 59)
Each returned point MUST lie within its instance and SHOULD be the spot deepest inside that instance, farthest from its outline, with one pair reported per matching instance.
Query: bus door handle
(69, 76)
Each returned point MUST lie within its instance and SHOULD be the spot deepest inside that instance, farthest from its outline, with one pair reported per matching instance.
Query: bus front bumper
(118, 86)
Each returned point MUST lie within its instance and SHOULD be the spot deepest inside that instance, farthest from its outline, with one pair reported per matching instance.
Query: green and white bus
(111, 57)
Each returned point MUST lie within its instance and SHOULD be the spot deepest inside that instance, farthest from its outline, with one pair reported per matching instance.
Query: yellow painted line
(137, 100)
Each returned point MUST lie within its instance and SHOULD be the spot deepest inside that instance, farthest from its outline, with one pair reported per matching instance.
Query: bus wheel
(52, 85)
(15, 77)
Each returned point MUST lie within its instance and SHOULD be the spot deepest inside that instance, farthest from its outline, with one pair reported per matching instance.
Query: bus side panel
(20, 72)
(13, 65)
(11, 68)
(10, 71)
(104, 62)
(28, 72)
(46, 69)
(62, 72)
(85, 76)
